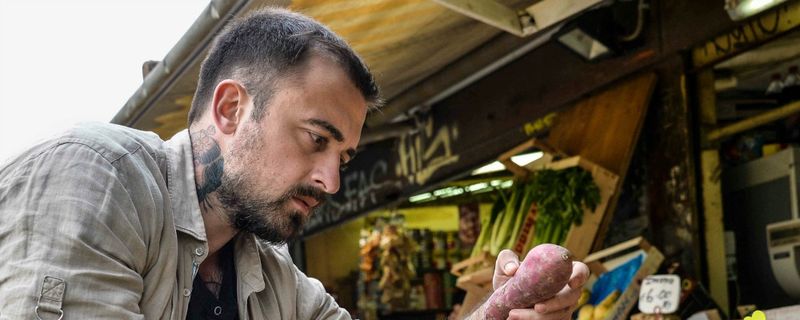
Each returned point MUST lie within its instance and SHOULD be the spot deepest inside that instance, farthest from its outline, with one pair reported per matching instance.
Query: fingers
(505, 267)
(567, 298)
(530, 314)
(580, 273)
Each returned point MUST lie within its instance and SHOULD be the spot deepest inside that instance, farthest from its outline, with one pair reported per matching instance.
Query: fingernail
(542, 308)
(509, 266)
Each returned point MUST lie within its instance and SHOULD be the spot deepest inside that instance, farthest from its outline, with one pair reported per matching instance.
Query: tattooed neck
(209, 162)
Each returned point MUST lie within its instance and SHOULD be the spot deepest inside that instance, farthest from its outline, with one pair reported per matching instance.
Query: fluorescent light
(739, 10)
(524, 159)
(420, 197)
(754, 6)
(583, 44)
(477, 186)
(492, 167)
(447, 192)
(520, 160)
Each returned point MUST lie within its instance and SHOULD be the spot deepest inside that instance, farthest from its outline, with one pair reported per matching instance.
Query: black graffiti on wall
(749, 33)
(421, 154)
(360, 190)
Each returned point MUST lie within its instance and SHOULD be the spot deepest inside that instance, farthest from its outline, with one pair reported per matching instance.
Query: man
(110, 222)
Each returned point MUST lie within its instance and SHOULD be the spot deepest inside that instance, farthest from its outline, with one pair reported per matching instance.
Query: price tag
(660, 294)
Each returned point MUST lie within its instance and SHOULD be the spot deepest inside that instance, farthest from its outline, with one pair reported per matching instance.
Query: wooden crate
(477, 284)
(581, 238)
(601, 261)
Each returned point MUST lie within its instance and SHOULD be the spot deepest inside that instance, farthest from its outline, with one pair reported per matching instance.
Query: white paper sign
(660, 294)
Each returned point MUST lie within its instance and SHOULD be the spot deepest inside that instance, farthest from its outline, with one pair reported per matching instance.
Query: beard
(269, 218)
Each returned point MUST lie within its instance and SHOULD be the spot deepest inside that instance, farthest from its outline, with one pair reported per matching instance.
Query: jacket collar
(189, 219)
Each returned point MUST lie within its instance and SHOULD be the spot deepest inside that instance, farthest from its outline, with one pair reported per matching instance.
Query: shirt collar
(182, 192)
(189, 219)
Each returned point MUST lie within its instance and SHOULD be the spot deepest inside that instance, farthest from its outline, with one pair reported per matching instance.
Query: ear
(229, 105)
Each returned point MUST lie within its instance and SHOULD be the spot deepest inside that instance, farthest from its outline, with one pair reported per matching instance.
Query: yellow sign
(748, 34)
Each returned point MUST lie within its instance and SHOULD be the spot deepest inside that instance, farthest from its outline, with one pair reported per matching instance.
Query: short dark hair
(270, 45)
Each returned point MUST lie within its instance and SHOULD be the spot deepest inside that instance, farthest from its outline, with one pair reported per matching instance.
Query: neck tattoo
(207, 158)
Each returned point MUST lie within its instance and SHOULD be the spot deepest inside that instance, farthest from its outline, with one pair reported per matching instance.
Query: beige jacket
(104, 223)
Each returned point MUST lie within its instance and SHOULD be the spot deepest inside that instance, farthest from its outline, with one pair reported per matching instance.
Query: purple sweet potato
(544, 272)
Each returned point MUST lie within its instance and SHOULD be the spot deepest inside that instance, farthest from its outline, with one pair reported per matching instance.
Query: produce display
(405, 269)
(560, 197)
(545, 270)
(370, 249)
(396, 265)
(597, 312)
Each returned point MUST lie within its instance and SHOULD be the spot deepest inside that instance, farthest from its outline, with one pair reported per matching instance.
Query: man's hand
(559, 307)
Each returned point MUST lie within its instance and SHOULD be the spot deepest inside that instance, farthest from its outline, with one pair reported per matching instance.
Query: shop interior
(759, 91)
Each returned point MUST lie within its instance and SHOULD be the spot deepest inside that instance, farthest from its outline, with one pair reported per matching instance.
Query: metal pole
(755, 121)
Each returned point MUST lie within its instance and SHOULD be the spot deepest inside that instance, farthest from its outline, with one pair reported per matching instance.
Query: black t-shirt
(203, 305)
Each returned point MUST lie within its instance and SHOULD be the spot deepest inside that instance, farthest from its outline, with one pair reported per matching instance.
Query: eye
(342, 166)
(319, 141)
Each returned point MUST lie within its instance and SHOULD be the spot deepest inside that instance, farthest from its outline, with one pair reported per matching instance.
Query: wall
(658, 198)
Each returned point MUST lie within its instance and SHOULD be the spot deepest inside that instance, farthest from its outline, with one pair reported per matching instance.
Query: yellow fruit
(610, 299)
(599, 312)
(585, 294)
(602, 308)
(585, 313)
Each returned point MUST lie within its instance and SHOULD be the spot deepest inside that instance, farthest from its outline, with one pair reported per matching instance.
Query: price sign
(660, 294)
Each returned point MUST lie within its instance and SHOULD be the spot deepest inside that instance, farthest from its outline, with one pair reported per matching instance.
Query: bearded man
(107, 222)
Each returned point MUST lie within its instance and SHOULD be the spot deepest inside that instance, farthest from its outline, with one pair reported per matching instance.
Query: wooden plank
(611, 251)
(518, 171)
(487, 11)
(604, 129)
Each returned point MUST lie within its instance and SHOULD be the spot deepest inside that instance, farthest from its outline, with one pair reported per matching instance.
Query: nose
(326, 175)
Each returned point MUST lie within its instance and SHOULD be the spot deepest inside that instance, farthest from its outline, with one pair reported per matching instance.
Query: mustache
(306, 191)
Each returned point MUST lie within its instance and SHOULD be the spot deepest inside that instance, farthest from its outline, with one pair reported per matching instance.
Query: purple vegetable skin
(544, 272)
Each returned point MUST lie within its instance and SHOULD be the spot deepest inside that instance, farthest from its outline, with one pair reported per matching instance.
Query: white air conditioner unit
(783, 241)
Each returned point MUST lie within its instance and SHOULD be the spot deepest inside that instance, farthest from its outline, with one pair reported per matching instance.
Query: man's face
(279, 169)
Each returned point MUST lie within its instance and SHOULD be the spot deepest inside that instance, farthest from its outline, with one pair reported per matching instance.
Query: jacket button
(187, 292)
(198, 251)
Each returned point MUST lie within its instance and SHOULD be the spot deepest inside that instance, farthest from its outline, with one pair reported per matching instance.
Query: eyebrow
(333, 131)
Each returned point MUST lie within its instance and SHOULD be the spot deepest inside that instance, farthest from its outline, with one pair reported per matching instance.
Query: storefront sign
(391, 170)
(748, 34)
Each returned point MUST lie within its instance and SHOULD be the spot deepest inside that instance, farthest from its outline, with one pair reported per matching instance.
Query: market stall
(661, 130)
(434, 253)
